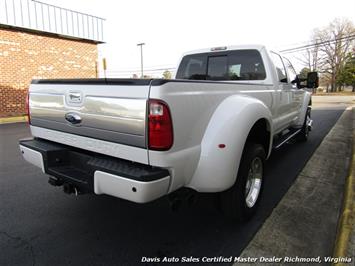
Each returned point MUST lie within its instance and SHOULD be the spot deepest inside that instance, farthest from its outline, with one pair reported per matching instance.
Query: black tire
(233, 201)
(303, 135)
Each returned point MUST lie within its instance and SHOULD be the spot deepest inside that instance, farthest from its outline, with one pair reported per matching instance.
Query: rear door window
(193, 67)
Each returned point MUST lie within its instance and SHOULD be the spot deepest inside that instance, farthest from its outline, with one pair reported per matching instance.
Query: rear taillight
(160, 127)
(28, 108)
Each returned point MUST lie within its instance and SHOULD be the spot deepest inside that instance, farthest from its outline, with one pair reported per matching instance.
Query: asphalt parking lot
(40, 225)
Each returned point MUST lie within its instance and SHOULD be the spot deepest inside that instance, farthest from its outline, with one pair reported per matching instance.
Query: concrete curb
(304, 223)
(347, 217)
(17, 119)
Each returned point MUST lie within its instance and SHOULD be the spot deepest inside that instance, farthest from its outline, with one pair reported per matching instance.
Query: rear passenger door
(284, 95)
(297, 94)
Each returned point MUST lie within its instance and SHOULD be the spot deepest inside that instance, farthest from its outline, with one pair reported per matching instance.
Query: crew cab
(210, 129)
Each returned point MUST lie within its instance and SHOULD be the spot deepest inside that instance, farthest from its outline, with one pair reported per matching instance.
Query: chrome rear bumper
(91, 172)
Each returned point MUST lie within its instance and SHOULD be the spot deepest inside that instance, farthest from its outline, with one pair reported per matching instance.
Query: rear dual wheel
(242, 199)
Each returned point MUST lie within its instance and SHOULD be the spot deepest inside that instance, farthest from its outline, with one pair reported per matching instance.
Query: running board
(286, 138)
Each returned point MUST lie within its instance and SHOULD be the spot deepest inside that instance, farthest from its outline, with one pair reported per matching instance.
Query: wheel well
(260, 133)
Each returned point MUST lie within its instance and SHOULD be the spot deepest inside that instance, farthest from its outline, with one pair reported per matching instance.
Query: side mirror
(312, 80)
(299, 82)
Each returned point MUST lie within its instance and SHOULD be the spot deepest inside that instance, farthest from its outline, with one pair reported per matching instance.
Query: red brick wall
(26, 56)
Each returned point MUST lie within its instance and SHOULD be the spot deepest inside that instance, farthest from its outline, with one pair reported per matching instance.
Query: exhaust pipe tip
(55, 182)
(69, 189)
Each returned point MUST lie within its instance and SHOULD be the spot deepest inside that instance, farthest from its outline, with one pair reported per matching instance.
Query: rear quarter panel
(192, 106)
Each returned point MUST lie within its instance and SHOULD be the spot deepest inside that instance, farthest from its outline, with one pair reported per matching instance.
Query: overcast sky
(171, 27)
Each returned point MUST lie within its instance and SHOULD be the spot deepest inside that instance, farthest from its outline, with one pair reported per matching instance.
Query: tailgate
(113, 110)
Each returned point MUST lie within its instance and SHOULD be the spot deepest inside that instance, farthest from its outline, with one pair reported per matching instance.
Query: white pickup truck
(210, 129)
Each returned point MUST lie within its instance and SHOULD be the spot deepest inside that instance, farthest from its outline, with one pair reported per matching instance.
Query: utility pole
(141, 45)
(104, 66)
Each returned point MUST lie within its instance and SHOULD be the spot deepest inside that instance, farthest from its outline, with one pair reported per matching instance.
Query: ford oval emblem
(73, 118)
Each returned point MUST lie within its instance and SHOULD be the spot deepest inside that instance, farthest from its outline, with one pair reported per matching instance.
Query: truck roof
(226, 48)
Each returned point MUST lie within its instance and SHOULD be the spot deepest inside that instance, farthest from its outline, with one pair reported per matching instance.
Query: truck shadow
(124, 232)
(101, 230)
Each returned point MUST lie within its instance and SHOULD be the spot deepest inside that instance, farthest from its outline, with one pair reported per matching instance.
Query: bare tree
(334, 43)
(310, 57)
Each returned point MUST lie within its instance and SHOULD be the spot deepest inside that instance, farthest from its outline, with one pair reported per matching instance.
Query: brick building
(27, 53)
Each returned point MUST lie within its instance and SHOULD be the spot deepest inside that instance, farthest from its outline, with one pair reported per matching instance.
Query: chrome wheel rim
(254, 180)
(307, 122)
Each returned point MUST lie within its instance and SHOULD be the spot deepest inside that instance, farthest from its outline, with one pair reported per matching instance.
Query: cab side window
(280, 68)
(290, 71)
(193, 67)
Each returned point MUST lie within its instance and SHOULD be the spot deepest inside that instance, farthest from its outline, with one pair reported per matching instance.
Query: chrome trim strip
(95, 145)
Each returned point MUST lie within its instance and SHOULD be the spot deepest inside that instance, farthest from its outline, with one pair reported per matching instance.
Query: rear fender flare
(230, 126)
